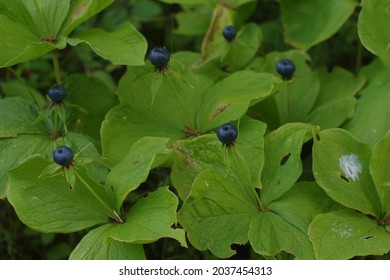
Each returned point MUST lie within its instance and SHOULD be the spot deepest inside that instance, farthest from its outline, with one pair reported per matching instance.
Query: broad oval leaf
(127, 175)
(125, 46)
(336, 102)
(96, 245)
(283, 165)
(341, 168)
(228, 100)
(172, 114)
(80, 11)
(345, 234)
(48, 204)
(19, 44)
(372, 119)
(17, 117)
(217, 213)
(373, 20)
(150, 219)
(379, 169)
(319, 19)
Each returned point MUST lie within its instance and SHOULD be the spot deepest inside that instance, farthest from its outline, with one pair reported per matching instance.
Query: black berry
(227, 134)
(57, 93)
(159, 57)
(285, 68)
(63, 156)
(229, 33)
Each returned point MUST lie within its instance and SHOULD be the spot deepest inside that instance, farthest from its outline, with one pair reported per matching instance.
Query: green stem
(57, 70)
(55, 125)
(98, 198)
(288, 102)
(359, 55)
(179, 100)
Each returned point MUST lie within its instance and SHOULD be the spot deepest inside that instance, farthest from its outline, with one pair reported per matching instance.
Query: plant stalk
(57, 70)
(98, 198)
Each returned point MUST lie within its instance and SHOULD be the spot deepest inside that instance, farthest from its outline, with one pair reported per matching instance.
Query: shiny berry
(285, 68)
(227, 134)
(229, 33)
(57, 93)
(63, 156)
(159, 57)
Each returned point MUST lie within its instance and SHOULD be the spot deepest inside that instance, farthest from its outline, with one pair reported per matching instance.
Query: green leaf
(284, 227)
(30, 29)
(17, 116)
(345, 234)
(283, 164)
(228, 100)
(14, 151)
(123, 127)
(20, 44)
(194, 156)
(333, 113)
(379, 169)
(48, 16)
(97, 245)
(336, 98)
(47, 204)
(128, 174)
(125, 46)
(173, 111)
(150, 219)
(371, 120)
(217, 213)
(341, 168)
(157, 83)
(95, 97)
(16, 88)
(319, 19)
(18, 12)
(373, 19)
(80, 11)
(337, 84)
(377, 75)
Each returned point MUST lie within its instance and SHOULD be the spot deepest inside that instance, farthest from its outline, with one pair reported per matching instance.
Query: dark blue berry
(159, 57)
(57, 93)
(227, 134)
(229, 33)
(63, 156)
(285, 68)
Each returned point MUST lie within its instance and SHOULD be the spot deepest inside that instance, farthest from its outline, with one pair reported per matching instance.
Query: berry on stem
(285, 68)
(227, 134)
(63, 156)
(229, 33)
(159, 57)
(57, 93)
